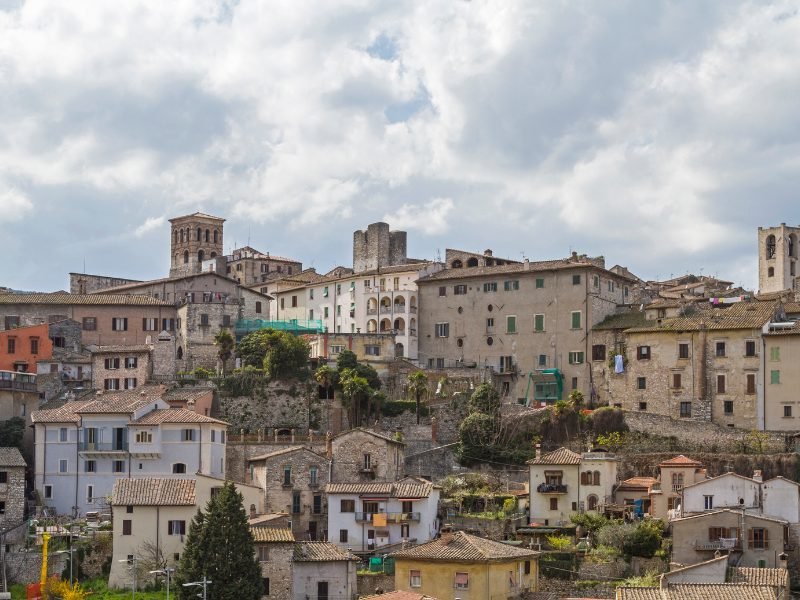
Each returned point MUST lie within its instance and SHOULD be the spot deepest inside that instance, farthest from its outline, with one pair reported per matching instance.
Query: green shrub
(395, 408)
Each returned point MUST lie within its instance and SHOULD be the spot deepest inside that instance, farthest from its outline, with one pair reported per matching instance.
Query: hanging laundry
(619, 364)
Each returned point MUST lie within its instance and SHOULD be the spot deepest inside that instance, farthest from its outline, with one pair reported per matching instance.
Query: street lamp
(204, 582)
(165, 571)
(70, 552)
(132, 563)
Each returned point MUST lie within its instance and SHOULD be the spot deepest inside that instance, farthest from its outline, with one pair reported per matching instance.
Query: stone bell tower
(195, 238)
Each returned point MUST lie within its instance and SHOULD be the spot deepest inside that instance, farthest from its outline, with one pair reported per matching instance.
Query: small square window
(576, 280)
(787, 410)
(720, 349)
(642, 405)
(539, 283)
(641, 383)
(728, 407)
(683, 351)
(643, 352)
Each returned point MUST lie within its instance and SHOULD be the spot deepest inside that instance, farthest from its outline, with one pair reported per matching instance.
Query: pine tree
(227, 554)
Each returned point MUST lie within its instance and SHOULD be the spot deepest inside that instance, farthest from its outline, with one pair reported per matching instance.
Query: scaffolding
(295, 326)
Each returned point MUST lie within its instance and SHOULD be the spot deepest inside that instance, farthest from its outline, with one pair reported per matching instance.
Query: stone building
(707, 366)
(528, 322)
(361, 455)
(674, 474)
(777, 258)
(293, 480)
(194, 239)
(248, 266)
(378, 247)
(323, 570)
(12, 494)
(120, 367)
(368, 347)
(19, 397)
(84, 283)
(275, 550)
(781, 377)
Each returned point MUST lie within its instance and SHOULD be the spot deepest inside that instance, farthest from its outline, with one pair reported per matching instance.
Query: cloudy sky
(659, 134)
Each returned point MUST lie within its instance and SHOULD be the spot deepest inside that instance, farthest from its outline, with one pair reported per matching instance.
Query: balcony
(714, 546)
(413, 309)
(552, 488)
(399, 308)
(392, 517)
(21, 382)
(385, 310)
(372, 311)
(103, 446)
(412, 332)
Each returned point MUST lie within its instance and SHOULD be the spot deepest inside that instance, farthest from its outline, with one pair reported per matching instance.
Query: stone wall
(771, 465)
(237, 454)
(81, 283)
(26, 567)
(367, 584)
(12, 494)
(617, 569)
(435, 463)
(562, 588)
(281, 404)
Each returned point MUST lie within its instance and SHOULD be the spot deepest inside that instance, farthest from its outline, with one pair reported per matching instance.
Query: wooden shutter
(766, 538)
(750, 538)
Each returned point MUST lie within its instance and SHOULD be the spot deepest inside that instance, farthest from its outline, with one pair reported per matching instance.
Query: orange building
(21, 347)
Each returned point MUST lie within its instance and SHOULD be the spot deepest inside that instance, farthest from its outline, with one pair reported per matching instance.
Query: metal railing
(551, 488)
(103, 446)
(391, 517)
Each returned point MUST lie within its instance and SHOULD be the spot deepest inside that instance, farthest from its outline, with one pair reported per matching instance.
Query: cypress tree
(192, 558)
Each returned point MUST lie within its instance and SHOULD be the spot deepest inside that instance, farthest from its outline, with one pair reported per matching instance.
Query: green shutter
(539, 283)
(538, 322)
(775, 376)
(576, 320)
(775, 353)
(511, 324)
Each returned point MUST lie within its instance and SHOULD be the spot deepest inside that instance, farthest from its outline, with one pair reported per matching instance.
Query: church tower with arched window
(194, 238)
(777, 258)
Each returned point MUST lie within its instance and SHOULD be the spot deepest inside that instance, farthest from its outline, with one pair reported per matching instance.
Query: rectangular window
(553, 503)
(459, 290)
(90, 466)
(62, 434)
(643, 352)
(287, 475)
(317, 505)
(511, 286)
(683, 351)
(90, 494)
(686, 409)
(127, 527)
(48, 491)
(347, 506)
(542, 360)
(294, 301)
(775, 353)
(677, 381)
(415, 578)
(144, 437)
(296, 503)
(787, 410)
(283, 303)
(539, 283)
(372, 350)
(62, 465)
(490, 287)
(490, 325)
(576, 280)
(263, 553)
(642, 405)
(311, 315)
(131, 362)
(34, 346)
(325, 292)
(338, 310)
(538, 322)
(461, 581)
(511, 324)
(204, 319)
(720, 349)
(575, 318)
(442, 330)
(258, 306)
(442, 291)
(187, 435)
(89, 324)
(176, 527)
(119, 324)
(168, 324)
(758, 538)
(506, 364)
(774, 376)
(149, 324)
(721, 381)
(728, 407)
(751, 383)
(111, 363)
(598, 352)
(641, 383)
(343, 536)
(750, 348)
(324, 312)
(708, 502)
(118, 466)
(576, 358)
(596, 281)
(111, 384)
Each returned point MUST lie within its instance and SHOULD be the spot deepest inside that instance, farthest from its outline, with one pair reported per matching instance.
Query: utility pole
(165, 571)
(132, 564)
(204, 582)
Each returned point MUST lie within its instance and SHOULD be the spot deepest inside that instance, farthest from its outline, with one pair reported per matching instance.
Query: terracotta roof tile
(410, 487)
(320, 552)
(562, 456)
(118, 349)
(174, 415)
(370, 432)
(152, 491)
(638, 482)
(265, 535)
(695, 591)
(632, 318)
(461, 546)
(680, 461)
(62, 298)
(398, 595)
(517, 268)
(284, 451)
(756, 576)
(11, 457)
(742, 315)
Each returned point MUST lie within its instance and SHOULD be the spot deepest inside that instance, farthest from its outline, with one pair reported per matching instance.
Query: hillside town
(470, 427)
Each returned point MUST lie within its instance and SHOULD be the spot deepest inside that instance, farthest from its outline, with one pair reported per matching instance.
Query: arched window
(456, 264)
(208, 235)
(199, 233)
(472, 262)
(489, 262)
(181, 235)
(175, 235)
(200, 256)
(180, 353)
(584, 478)
(591, 502)
(215, 236)
(398, 350)
(179, 468)
(771, 272)
(770, 247)
(596, 478)
(213, 255)
(186, 257)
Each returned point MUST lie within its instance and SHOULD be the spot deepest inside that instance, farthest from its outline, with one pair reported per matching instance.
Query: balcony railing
(552, 488)
(677, 488)
(399, 308)
(386, 309)
(372, 311)
(23, 382)
(713, 546)
(103, 446)
(413, 309)
(392, 517)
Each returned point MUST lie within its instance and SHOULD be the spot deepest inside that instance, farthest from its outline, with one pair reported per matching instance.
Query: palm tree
(418, 385)
(225, 344)
(324, 377)
(355, 389)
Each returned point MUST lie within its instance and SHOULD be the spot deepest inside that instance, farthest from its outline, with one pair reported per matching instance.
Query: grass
(98, 589)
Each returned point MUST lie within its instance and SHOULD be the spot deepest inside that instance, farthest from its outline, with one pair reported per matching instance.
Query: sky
(659, 134)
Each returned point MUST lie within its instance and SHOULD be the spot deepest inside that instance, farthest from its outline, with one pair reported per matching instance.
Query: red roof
(680, 461)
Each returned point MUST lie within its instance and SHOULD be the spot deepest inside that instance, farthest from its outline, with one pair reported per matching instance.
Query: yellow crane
(45, 543)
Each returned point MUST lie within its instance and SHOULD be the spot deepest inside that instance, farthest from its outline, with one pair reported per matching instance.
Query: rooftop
(283, 452)
(266, 535)
(320, 552)
(196, 215)
(742, 315)
(758, 576)
(11, 457)
(152, 491)
(694, 591)
(101, 298)
(408, 487)
(119, 349)
(463, 547)
(398, 595)
(680, 461)
(562, 456)
(174, 415)
(368, 431)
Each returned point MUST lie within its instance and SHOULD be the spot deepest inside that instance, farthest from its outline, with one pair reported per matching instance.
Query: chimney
(538, 451)
(757, 475)
(329, 445)
(434, 429)
(487, 252)
(526, 265)
(574, 256)
(447, 538)
(190, 404)
(252, 511)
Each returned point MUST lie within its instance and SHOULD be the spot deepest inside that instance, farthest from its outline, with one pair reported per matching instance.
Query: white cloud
(431, 218)
(14, 205)
(151, 224)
